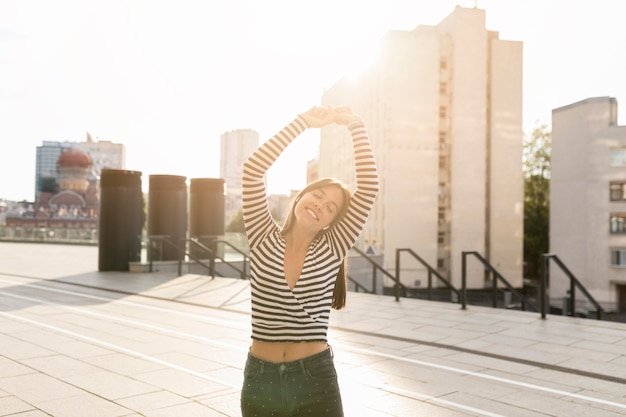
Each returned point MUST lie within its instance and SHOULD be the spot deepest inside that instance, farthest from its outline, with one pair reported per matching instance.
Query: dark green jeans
(306, 387)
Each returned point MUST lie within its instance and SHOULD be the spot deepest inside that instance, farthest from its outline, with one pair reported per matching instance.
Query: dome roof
(74, 158)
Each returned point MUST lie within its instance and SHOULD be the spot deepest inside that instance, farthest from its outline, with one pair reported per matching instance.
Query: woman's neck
(297, 238)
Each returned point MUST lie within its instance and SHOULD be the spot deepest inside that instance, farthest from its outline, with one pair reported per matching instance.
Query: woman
(297, 274)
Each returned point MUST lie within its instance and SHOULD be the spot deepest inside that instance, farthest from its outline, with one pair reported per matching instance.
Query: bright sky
(167, 78)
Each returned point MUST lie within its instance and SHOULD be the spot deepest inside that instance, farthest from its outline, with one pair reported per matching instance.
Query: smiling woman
(297, 273)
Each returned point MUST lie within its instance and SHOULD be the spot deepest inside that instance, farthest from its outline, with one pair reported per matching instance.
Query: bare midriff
(285, 352)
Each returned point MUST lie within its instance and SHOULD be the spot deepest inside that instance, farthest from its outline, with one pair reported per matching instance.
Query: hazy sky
(167, 78)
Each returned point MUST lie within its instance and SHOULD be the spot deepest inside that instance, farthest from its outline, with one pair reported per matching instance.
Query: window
(618, 223)
(618, 190)
(442, 112)
(618, 157)
(618, 257)
(442, 140)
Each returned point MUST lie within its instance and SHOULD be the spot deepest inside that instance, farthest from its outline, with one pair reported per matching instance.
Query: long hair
(341, 286)
(341, 282)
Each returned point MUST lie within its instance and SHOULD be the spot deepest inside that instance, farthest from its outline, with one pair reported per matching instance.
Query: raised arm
(347, 231)
(257, 218)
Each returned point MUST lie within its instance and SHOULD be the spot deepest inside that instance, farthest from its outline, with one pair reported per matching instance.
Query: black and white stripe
(280, 314)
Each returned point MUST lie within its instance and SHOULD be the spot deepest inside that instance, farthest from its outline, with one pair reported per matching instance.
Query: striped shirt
(280, 314)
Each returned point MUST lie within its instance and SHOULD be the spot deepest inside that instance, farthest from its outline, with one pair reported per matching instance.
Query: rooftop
(78, 342)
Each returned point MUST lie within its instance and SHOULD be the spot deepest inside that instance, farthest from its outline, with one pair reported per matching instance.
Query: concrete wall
(583, 135)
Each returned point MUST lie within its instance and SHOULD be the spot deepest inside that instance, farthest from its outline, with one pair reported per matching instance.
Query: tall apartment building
(443, 107)
(236, 147)
(588, 201)
(104, 154)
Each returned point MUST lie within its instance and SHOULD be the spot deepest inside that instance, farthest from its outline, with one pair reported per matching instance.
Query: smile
(312, 213)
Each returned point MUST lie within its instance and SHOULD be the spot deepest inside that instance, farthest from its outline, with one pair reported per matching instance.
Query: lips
(312, 213)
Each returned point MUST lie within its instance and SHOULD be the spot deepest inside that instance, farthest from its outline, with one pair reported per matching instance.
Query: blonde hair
(341, 282)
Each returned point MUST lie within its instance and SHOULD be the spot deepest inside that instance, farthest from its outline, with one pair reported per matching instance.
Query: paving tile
(226, 402)
(36, 388)
(575, 352)
(16, 349)
(188, 409)
(152, 401)
(34, 413)
(83, 405)
(598, 346)
(13, 405)
(537, 403)
(487, 404)
(610, 369)
(9, 368)
(179, 382)
(109, 385)
(123, 364)
(60, 366)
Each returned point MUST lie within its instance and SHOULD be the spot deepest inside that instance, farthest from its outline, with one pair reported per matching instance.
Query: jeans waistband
(299, 363)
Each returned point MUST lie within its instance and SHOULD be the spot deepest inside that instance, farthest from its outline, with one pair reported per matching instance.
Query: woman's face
(318, 208)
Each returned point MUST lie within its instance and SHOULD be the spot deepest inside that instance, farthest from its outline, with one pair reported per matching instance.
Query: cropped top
(280, 314)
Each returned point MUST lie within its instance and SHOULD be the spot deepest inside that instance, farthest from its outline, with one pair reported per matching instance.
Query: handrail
(431, 271)
(497, 276)
(572, 292)
(376, 267)
(358, 285)
(210, 267)
(243, 273)
(182, 252)
(213, 255)
(151, 248)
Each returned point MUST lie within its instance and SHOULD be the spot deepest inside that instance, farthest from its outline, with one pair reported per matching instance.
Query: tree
(536, 166)
(236, 223)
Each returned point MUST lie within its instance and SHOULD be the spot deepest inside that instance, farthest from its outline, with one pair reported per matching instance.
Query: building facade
(236, 147)
(67, 212)
(443, 107)
(588, 202)
(103, 154)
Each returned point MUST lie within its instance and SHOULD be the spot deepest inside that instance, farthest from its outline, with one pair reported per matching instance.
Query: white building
(236, 147)
(588, 202)
(104, 154)
(443, 107)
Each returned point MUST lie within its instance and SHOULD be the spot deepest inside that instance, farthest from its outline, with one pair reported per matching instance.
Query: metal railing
(378, 268)
(431, 272)
(244, 271)
(184, 246)
(496, 277)
(574, 283)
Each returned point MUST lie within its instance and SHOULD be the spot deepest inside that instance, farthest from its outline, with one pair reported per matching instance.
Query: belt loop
(330, 348)
(262, 367)
(302, 366)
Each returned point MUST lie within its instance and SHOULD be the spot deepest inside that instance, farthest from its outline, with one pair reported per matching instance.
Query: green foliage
(236, 223)
(536, 165)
